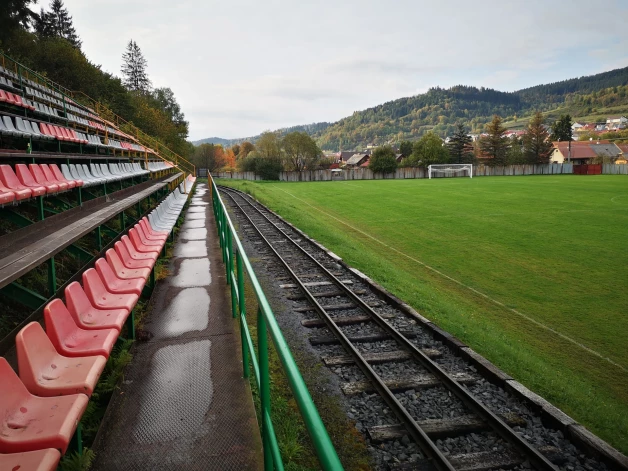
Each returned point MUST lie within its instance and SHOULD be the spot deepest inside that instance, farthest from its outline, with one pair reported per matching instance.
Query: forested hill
(438, 110)
(312, 129)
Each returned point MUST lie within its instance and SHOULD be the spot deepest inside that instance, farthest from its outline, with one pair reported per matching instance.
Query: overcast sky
(241, 67)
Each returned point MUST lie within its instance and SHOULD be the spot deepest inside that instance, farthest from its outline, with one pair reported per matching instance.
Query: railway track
(420, 406)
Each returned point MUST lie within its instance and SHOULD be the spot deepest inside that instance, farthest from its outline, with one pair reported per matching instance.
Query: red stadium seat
(33, 423)
(63, 185)
(40, 178)
(6, 195)
(9, 180)
(137, 255)
(101, 298)
(43, 127)
(128, 260)
(72, 341)
(114, 284)
(28, 181)
(88, 317)
(144, 229)
(39, 460)
(122, 271)
(141, 246)
(46, 373)
(137, 233)
(56, 171)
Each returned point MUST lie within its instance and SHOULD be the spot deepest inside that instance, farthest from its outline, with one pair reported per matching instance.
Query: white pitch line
(479, 293)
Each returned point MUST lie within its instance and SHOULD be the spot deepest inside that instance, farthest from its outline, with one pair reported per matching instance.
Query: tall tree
(429, 150)
(494, 145)
(57, 23)
(514, 155)
(236, 150)
(561, 129)
(459, 146)
(209, 156)
(134, 69)
(405, 148)
(15, 14)
(301, 151)
(383, 160)
(245, 149)
(537, 146)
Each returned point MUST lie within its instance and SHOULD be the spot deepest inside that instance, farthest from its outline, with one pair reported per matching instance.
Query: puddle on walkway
(190, 216)
(168, 411)
(193, 272)
(192, 249)
(193, 224)
(193, 234)
(196, 210)
(188, 312)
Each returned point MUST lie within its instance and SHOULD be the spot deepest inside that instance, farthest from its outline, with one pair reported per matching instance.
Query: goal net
(450, 170)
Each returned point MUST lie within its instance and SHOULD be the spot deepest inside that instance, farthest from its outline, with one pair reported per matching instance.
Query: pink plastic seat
(43, 127)
(136, 254)
(59, 176)
(63, 185)
(121, 271)
(137, 233)
(46, 373)
(34, 423)
(40, 178)
(72, 341)
(115, 284)
(28, 181)
(149, 230)
(101, 298)
(6, 195)
(143, 246)
(39, 460)
(145, 233)
(129, 261)
(10, 181)
(89, 317)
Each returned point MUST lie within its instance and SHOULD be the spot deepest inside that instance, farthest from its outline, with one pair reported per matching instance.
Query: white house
(576, 127)
(616, 122)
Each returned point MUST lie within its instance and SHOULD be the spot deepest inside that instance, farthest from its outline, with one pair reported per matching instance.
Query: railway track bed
(420, 397)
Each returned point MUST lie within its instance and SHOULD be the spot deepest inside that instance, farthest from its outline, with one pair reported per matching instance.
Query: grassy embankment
(529, 271)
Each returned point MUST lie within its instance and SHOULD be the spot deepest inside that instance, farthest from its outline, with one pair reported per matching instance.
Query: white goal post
(450, 170)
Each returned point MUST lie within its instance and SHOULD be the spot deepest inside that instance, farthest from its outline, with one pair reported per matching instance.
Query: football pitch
(530, 271)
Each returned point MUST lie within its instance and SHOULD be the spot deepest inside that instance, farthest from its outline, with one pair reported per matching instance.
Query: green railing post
(264, 386)
(99, 238)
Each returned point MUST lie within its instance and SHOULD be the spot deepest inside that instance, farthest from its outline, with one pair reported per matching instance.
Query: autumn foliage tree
(301, 152)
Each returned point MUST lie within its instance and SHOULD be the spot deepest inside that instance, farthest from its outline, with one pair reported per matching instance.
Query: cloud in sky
(243, 66)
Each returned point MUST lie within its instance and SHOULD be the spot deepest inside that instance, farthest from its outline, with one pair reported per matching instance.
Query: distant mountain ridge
(439, 110)
(311, 129)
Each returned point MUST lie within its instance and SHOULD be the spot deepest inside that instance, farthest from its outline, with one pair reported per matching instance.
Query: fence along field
(418, 172)
(549, 248)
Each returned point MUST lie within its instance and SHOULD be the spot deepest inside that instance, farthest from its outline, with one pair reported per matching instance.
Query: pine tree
(134, 69)
(537, 146)
(561, 129)
(13, 15)
(495, 145)
(57, 23)
(459, 146)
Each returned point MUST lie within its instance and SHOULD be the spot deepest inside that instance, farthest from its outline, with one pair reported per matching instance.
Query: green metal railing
(237, 266)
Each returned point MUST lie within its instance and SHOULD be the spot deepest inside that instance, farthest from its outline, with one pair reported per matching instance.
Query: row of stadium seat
(59, 367)
(16, 100)
(158, 166)
(98, 174)
(34, 180)
(46, 131)
(29, 82)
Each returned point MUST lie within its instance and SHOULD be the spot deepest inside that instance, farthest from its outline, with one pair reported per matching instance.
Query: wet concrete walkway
(184, 404)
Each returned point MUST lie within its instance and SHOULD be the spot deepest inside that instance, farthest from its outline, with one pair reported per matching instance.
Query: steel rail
(506, 432)
(417, 433)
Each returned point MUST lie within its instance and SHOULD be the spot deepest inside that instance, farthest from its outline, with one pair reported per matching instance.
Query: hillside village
(586, 147)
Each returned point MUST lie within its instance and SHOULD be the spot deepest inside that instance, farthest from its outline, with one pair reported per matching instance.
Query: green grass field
(531, 271)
